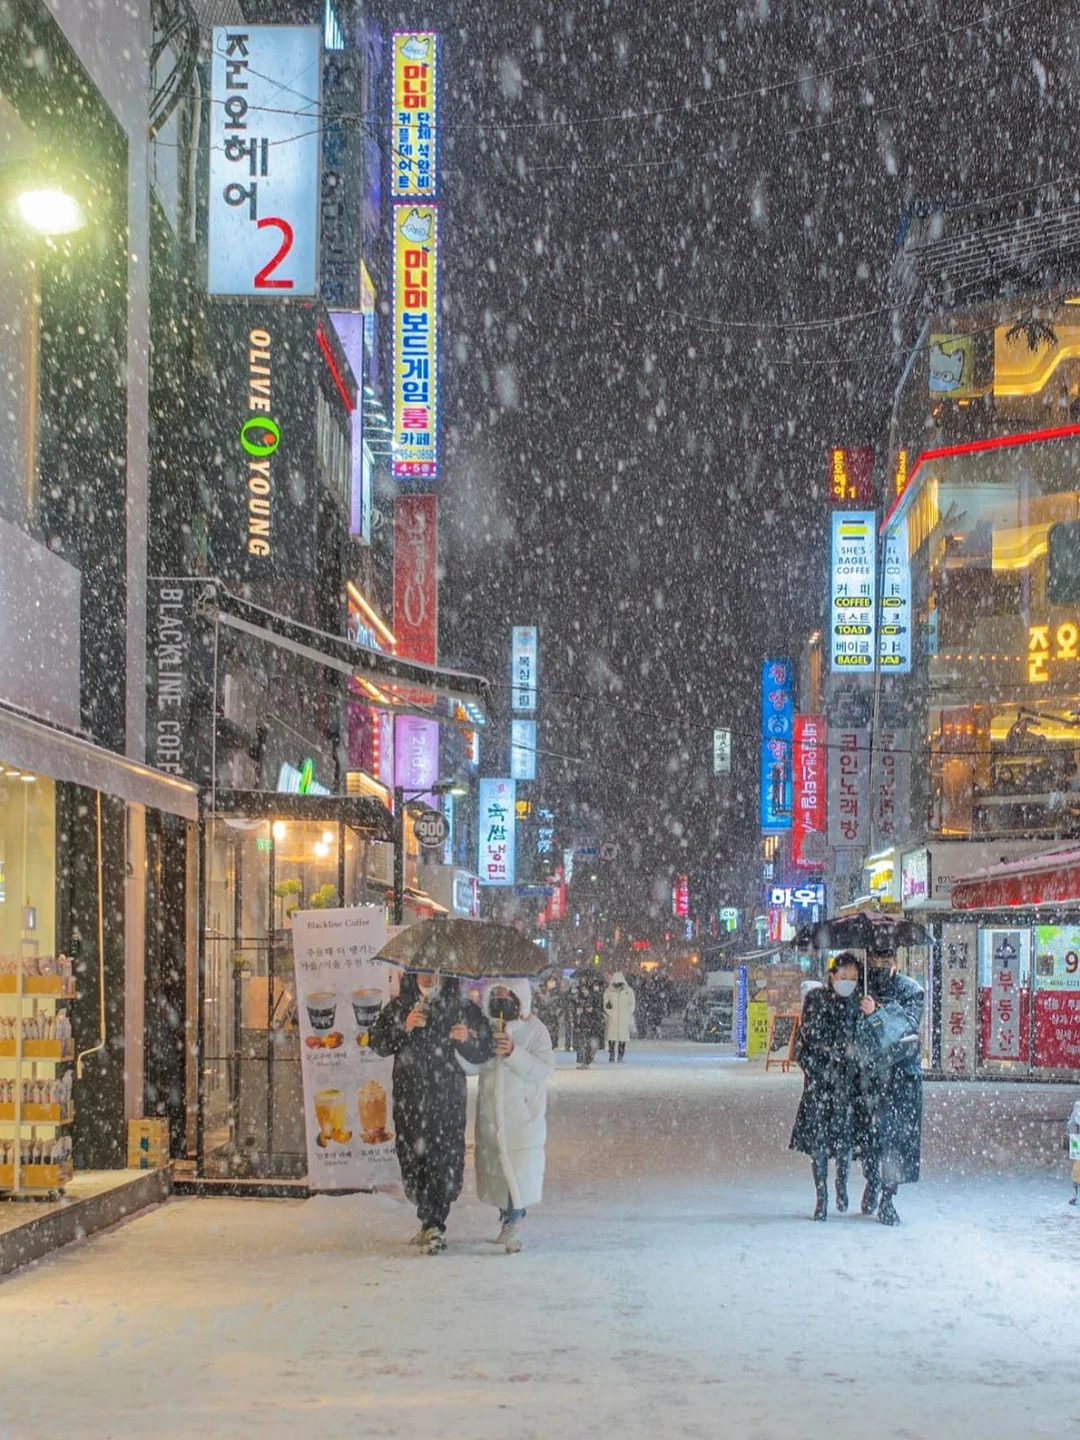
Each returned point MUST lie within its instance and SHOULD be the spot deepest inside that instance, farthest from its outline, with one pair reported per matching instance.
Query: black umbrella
(469, 948)
(865, 930)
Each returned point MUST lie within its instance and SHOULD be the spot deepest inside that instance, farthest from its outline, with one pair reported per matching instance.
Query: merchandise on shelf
(37, 1151)
(38, 1027)
(59, 965)
(39, 1092)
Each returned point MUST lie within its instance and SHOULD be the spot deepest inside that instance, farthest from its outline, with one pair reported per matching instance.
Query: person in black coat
(587, 1014)
(889, 1090)
(825, 1049)
(549, 1005)
(425, 1029)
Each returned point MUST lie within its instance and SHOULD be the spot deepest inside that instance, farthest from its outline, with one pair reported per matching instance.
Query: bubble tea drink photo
(330, 1114)
(371, 1105)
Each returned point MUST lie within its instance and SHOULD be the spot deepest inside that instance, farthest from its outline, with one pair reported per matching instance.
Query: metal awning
(401, 683)
(42, 749)
(360, 812)
(1051, 879)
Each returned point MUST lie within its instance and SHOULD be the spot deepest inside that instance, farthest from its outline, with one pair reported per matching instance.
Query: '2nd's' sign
(265, 143)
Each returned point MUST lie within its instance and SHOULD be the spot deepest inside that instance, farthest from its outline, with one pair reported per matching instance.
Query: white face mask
(845, 988)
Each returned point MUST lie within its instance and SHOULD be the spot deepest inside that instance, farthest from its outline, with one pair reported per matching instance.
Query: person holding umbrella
(425, 1029)
(825, 1049)
(889, 1089)
(511, 1125)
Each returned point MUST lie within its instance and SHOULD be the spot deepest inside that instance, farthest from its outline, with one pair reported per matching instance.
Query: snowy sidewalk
(671, 1286)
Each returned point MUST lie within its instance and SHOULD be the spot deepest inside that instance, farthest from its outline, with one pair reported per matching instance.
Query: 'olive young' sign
(265, 363)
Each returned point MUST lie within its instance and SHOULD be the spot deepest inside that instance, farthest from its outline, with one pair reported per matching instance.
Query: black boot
(841, 1185)
(622, 1051)
(821, 1186)
(887, 1212)
(870, 1197)
(611, 1052)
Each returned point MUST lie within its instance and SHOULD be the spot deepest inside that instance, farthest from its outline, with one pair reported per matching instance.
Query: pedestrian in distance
(587, 1015)
(619, 1005)
(548, 1006)
(825, 1049)
(511, 1125)
(889, 1092)
(425, 1029)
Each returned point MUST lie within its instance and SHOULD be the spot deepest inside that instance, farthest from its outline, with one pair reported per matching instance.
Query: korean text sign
(894, 628)
(848, 791)
(348, 1089)
(808, 788)
(851, 476)
(413, 162)
(416, 354)
(264, 136)
(777, 720)
(851, 604)
(498, 800)
(523, 749)
(416, 594)
(524, 664)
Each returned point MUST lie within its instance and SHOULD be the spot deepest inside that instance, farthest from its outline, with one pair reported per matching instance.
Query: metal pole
(399, 855)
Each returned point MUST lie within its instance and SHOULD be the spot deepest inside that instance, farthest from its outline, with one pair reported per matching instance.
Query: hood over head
(521, 988)
(618, 978)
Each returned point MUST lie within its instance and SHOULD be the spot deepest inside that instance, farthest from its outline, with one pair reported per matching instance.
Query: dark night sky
(638, 387)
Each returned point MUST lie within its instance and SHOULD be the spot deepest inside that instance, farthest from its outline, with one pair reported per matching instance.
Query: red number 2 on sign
(262, 279)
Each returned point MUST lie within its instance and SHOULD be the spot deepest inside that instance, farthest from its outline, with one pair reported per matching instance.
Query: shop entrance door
(300, 853)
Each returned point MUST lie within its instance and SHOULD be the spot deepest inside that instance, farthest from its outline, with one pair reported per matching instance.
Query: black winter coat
(587, 1007)
(825, 1048)
(889, 1098)
(430, 1094)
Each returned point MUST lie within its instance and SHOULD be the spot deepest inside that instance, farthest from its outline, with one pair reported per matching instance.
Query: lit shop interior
(267, 856)
(993, 537)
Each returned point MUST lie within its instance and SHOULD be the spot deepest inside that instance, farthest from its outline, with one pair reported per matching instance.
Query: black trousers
(430, 1183)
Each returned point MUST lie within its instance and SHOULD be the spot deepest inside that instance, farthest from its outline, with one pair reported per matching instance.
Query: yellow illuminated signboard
(413, 166)
(416, 359)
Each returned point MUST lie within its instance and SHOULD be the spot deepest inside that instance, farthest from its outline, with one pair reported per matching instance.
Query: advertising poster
(777, 724)
(348, 1089)
(498, 841)
(416, 353)
(1005, 954)
(894, 628)
(952, 366)
(416, 99)
(958, 999)
(1057, 996)
(851, 606)
(264, 143)
(808, 790)
(721, 752)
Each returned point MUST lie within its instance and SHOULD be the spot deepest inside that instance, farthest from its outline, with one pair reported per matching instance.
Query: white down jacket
(511, 1124)
(619, 1002)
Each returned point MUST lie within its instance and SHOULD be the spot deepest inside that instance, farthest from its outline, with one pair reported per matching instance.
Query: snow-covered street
(671, 1285)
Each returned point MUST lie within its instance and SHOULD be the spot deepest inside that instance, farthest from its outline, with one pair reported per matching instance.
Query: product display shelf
(35, 1123)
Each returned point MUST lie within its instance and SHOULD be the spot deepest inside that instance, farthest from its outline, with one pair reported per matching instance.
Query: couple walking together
(859, 1049)
(436, 1037)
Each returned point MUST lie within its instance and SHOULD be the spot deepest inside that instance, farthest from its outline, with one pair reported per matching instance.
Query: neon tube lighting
(328, 356)
(369, 610)
(974, 447)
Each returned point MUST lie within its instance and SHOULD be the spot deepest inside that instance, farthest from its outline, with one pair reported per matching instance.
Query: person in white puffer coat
(619, 1004)
(511, 1124)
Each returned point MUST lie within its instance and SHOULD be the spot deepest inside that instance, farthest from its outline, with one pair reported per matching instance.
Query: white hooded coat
(511, 1110)
(619, 1002)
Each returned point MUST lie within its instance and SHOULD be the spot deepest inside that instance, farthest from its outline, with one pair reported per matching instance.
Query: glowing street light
(50, 212)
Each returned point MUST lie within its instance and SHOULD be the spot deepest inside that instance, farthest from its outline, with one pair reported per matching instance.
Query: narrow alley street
(671, 1283)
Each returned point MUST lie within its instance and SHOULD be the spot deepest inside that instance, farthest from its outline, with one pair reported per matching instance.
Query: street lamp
(50, 211)
(401, 799)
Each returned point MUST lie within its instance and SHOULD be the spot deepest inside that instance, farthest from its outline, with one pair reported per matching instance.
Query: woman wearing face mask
(511, 1128)
(425, 1029)
(889, 1096)
(824, 1048)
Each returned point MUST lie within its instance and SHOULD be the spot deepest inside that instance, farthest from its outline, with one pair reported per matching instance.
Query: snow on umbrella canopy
(469, 948)
(875, 934)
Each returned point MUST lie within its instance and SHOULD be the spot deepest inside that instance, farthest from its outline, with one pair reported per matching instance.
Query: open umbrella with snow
(469, 948)
(865, 930)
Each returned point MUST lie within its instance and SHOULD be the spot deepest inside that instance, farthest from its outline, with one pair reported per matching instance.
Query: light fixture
(28, 779)
(328, 837)
(50, 212)
(278, 829)
(321, 849)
